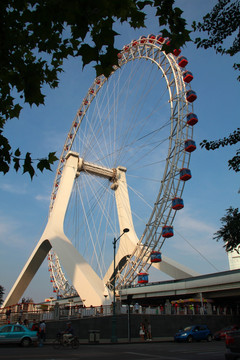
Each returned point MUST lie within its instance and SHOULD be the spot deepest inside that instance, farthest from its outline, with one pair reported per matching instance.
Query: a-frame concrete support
(87, 283)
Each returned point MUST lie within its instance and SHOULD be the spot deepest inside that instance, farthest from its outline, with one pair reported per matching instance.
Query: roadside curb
(120, 341)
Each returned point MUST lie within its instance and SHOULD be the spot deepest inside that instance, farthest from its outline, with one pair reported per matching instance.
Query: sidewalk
(120, 341)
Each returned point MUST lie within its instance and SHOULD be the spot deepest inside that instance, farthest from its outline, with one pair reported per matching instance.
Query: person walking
(149, 331)
(42, 333)
(142, 332)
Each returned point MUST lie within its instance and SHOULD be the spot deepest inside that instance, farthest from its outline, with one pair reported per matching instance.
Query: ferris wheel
(133, 135)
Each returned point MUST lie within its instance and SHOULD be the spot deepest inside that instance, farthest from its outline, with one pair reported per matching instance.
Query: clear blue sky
(212, 189)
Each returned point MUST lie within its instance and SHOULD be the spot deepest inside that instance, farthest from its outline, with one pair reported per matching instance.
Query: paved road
(145, 351)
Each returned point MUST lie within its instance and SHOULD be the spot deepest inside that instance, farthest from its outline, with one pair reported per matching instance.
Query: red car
(221, 334)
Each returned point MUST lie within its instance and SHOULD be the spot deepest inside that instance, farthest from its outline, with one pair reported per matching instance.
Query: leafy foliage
(1, 294)
(232, 139)
(220, 24)
(230, 230)
(37, 35)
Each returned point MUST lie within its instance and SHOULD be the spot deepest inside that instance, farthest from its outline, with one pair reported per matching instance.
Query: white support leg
(128, 242)
(87, 283)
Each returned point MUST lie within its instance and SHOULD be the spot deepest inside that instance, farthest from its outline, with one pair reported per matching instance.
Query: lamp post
(114, 336)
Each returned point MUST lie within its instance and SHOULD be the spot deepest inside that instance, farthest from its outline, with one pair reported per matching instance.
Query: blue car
(194, 332)
(17, 334)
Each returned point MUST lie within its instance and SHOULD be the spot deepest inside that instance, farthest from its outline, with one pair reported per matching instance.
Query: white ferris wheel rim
(177, 158)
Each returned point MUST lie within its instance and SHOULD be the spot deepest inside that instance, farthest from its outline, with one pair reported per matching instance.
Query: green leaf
(16, 164)
(52, 157)
(27, 166)
(43, 164)
(17, 152)
(88, 54)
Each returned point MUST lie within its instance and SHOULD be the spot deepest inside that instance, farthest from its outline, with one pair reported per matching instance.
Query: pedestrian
(136, 308)
(142, 331)
(8, 313)
(149, 331)
(25, 322)
(42, 333)
(35, 326)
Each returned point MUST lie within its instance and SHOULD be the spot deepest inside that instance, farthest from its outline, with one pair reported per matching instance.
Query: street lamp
(114, 336)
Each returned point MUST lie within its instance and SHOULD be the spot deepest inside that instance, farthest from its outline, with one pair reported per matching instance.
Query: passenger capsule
(176, 52)
(142, 278)
(151, 38)
(187, 76)
(192, 119)
(156, 257)
(177, 203)
(160, 39)
(191, 95)
(167, 231)
(182, 61)
(143, 39)
(190, 145)
(185, 174)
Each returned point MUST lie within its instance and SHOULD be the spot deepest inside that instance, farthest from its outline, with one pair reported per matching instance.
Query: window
(18, 328)
(6, 329)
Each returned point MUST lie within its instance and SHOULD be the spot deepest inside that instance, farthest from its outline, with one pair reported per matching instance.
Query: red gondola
(190, 145)
(182, 61)
(134, 43)
(167, 231)
(176, 52)
(187, 76)
(185, 174)
(143, 39)
(160, 39)
(142, 278)
(151, 38)
(191, 95)
(156, 257)
(177, 203)
(192, 119)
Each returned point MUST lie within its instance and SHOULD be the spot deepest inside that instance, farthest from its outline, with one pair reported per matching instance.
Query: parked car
(232, 341)
(221, 334)
(18, 334)
(194, 332)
